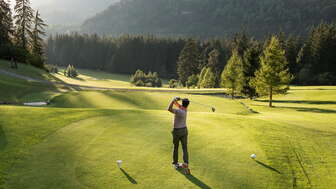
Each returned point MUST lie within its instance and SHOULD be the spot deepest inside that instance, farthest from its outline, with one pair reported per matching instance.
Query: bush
(70, 71)
(173, 83)
(141, 79)
(192, 81)
(51, 68)
(140, 83)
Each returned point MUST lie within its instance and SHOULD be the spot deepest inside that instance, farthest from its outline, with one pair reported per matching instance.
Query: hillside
(209, 17)
(64, 12)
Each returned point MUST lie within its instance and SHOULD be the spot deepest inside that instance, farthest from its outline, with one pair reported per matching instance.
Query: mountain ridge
(208, 18)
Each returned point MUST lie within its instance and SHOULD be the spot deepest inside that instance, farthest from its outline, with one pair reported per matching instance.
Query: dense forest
(208, 18)
(311, 59)
(124, 55)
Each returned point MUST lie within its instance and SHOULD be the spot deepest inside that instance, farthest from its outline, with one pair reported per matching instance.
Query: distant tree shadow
(312, 110)
(268, 167)
(304, 109)
(316, 102)
(131, 179)
(194, 180)
(3, 139)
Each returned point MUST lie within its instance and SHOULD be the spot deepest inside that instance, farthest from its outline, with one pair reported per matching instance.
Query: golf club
(212, 108)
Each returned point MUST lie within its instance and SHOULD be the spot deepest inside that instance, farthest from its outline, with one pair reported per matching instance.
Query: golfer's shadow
(131, 179)
(194, 180)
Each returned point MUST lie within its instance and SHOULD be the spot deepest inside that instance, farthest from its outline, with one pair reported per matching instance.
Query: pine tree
(38, 31)
(23, 22)
(201, 77)
(240, 43)
(192, 81)
(250, 65)
(232, 75)
(36, 42)
(273, 76)
(6, 23)
(213, 64)
(209, 79)
(188, 61)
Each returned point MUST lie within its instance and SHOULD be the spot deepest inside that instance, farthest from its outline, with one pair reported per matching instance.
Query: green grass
(143, 100)
(27, 70)
(78, 141)
(17, 90)
(96, 79)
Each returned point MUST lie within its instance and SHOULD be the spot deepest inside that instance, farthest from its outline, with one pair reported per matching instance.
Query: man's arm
(174, 101)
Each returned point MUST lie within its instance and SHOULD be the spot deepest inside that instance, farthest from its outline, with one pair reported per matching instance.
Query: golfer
(180, 131)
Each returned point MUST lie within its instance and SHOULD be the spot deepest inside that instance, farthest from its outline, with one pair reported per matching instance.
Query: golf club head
(213, 109)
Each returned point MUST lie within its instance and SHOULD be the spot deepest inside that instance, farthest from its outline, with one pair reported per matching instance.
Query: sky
(58, 12)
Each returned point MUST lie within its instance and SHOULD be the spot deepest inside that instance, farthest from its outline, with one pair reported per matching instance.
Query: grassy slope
(17, 90)
(97, 79)
(27, 70)
(77, 148)
(14, 90)
(295, 148)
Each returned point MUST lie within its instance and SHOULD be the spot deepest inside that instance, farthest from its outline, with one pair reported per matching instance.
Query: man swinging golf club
(180, 131)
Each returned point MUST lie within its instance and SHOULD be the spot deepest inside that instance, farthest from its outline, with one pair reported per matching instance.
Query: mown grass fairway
(76, 141)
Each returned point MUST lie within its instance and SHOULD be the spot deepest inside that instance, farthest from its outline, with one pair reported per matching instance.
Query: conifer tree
(36, 42)
(6, 23)
(188, 61)
(38, 31)
(232, 75)
(192, 81)
(23, 22)
(201, 77)
(209, 79)
(273, 75)
(250, 64)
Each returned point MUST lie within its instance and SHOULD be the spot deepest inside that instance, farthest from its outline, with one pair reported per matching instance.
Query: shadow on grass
(194, 180)
(316, 102)
(3, 139)
(303, 109)
(316, 110)
(131, 179)
(268, 167)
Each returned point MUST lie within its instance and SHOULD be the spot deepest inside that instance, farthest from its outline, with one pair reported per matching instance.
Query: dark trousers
(180, 135)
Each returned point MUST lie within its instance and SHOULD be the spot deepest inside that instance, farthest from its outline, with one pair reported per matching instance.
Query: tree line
(21, 33)
(123, 55)
(311, 59)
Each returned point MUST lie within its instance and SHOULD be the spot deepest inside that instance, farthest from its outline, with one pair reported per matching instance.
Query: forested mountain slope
(210, 17)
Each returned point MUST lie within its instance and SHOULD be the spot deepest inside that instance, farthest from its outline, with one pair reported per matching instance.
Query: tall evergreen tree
(240, 43)
(213, 61)
(209, 79)
(214, 65)
(273, 76)
(6, 22)
(37, 32)
(232, 74)
(250, 65)
(201, 76)
(188, 61)
(23, 22)
(292, 48)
